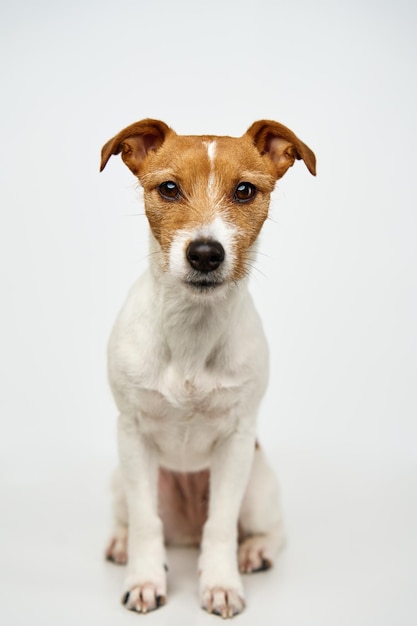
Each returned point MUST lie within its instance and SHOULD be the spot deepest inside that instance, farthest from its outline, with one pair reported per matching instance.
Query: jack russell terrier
(188, 364)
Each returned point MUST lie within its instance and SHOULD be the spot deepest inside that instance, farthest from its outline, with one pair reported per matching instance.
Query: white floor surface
(350, 559)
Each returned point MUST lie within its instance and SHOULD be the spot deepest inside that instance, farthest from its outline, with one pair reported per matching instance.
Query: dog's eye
(244, 192)
(169, 190)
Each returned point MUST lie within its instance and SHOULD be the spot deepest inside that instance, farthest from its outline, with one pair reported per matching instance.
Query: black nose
(205, 256)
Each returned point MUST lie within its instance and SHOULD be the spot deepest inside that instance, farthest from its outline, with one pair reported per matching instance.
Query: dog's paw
(144, 598)
(254, 555)
(116, 551)
(220, 589)
(221, 601)
(146, 586)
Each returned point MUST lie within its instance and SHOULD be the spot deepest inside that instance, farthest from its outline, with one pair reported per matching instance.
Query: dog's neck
(193, 326)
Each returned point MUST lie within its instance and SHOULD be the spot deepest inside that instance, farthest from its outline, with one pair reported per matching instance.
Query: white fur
(188, 371)
(211, 151)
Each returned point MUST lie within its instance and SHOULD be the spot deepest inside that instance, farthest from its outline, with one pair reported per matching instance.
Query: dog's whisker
(150, 255)
(260, 253)
(254, 268)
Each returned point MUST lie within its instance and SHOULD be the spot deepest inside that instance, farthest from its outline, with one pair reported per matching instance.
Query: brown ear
(281, 145)
(134, 142)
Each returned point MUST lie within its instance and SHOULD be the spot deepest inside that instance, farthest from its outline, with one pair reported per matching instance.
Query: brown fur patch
(185, 161)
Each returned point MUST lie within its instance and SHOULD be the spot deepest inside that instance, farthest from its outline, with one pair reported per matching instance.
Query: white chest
(183, 420)
(187, 377)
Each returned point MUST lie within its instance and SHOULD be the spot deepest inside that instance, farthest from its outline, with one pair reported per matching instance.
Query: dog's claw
(266, 564)
(249, 568)
(160, 601)
(253, 555)
(225, 603)
(143, 599)
(116, 551)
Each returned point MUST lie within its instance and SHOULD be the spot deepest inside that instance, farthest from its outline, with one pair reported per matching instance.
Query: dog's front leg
(221, 590)
(146, 580)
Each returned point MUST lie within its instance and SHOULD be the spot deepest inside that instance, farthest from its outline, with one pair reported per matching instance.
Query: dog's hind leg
(260, 521)
(116, 550)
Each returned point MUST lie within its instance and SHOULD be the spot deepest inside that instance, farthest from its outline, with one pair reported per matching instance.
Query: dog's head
(206, 197)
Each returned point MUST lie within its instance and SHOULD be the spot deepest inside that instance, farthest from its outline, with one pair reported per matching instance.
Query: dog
(188, 364)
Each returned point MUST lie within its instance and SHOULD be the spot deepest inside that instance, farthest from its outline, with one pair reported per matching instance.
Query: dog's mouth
(204, 283)
(204, 286)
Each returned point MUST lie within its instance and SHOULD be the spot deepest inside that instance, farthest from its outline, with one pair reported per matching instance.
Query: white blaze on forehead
(211, 151)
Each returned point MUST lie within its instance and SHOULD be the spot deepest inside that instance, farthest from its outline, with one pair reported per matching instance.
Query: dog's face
(207, 197)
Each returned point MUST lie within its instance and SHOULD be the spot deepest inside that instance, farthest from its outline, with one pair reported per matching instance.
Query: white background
(335, 284)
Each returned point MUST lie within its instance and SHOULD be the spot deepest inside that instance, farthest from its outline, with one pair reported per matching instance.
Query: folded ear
(134, 142)
(281, 146)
